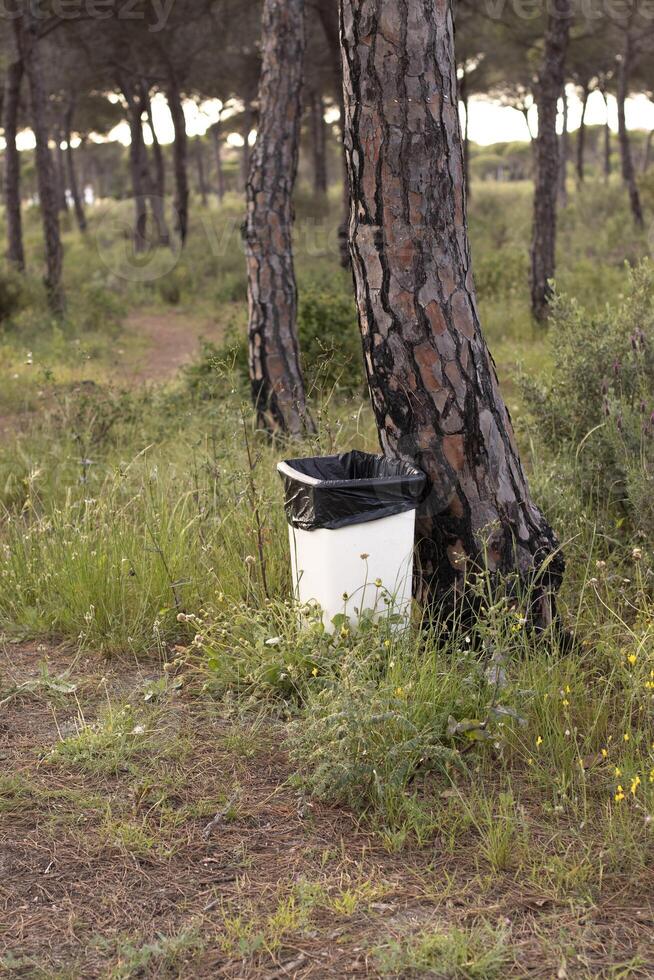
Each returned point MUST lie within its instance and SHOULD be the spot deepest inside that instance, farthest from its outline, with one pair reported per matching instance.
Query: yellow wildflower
(605, 752)
(632, 658)
(635, 783)
(619, 795)
(626, 736)
(539, 741)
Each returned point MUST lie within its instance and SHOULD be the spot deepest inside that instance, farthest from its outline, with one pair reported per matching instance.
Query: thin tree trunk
(202, 180)
(218, 156)
(564, 152)
(276, 377)
(319, 143)
(329, 19)
(26, 33)
(180, 156)
(60, 168)
(550, 83)
(137, 170)
(581, 135)
(13, 81)
(463, 95)
(607, 140)
(628, 172)
(78, 203)
(248, 124)
(647, 151)
(432, 380)
(158, 193)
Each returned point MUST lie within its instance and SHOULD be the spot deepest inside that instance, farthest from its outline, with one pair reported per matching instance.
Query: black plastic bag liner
(352, 488)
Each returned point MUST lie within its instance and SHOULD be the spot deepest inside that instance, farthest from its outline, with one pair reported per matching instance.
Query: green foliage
(598, 405)
(13, 293)
(329, 339)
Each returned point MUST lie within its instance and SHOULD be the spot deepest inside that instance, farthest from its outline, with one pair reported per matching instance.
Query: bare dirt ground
(146, 831)
(171, 338)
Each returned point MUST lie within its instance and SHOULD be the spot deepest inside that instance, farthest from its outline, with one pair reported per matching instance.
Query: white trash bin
(351, 530)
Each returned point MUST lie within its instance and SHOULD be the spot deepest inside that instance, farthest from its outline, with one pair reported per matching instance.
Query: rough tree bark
(15, 250)
(275, 374)
(158, 190)
(548, 90)
(78, 203)
(581, 135)
(319, 143)
(180, 157)
(432, 381)
(27, 41)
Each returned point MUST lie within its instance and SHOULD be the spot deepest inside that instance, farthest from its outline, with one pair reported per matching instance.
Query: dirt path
(171, 338)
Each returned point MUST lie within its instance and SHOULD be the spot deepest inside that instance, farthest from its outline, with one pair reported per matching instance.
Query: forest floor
(169, 339)
(169, 840)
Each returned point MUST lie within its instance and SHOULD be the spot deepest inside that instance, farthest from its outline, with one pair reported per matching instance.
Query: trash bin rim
(286, 468)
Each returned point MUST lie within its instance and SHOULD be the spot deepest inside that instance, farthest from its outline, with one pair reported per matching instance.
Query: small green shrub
(12, 293)
(500, 274)
(330, 343)
(598, 405)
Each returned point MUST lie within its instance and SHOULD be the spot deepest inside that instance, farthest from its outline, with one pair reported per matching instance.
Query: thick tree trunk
(158, 189)
(548, 89)
(564, 153)
(218, 156)
(581, 135)
(202, 180)
(15, 251)
(319, 143)
(628, 171)
(73, 183)
(26, 33)
(276, 377)
(432, 380)
(180, 156)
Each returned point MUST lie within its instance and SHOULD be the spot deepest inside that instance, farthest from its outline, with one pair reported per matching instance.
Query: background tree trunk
(581, 135)
(137, 168)
(60, 168)
(628, 172)
(463, 95)
(13, 81)
(647, 150)
(158, 195)
(564, 152)
(607, 139)
(25, 30)
(550, 83)
(218, 156)
(319, 143)
(78, 203)
(432, 380)
(180, 156)
(202, 180)
(247, 127)
(276, 377)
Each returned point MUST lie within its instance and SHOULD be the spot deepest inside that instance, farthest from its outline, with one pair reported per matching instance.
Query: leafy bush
(598, 405)
(500, 274)
(12, 293)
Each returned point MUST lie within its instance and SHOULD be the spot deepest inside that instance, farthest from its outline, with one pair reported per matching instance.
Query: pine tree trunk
(564, 153)
(550, 83)
(73, 183)
(276, 377)
(218, 156)
(202, 181)
(628, 171)
(26, 33)
(247, 127)
(319, 143)
(329, 20)
(463, 95)
(647, 151)
(180, 156)
(137, 169)
(432, 380)
(60, 169)
(607, 140)
(581, 135)
(13, 81)
(158, 191)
